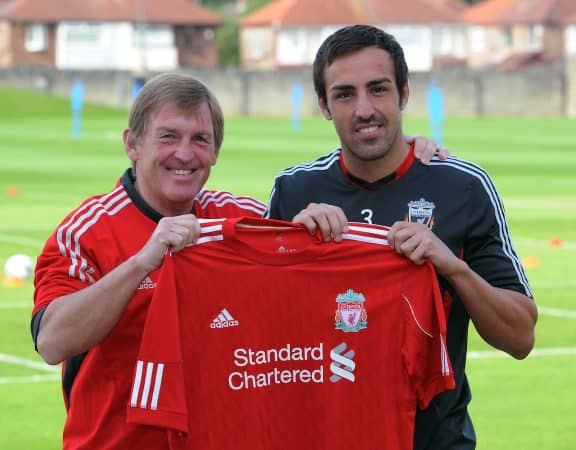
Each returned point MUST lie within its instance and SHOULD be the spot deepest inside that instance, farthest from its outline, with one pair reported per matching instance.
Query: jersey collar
(374, 186)
(128, 182)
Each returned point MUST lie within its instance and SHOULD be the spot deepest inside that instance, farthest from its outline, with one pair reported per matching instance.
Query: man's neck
(373, 170)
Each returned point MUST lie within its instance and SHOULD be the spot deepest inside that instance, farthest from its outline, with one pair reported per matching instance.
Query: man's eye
(202, 139)
(343, 95)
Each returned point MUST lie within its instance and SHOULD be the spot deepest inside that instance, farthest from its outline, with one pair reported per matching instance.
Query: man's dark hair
(352, 39)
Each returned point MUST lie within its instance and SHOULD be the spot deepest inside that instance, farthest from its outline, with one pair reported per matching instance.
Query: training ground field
(44, 173)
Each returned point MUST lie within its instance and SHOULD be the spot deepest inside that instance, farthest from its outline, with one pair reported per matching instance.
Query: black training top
(459, 202)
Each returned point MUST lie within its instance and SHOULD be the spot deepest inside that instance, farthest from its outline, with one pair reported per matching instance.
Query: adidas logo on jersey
(147, 283)
(224, 320)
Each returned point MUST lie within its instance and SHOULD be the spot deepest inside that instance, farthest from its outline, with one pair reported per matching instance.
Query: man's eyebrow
(163, 129)
(347, 87)
(342, 87)
(379, 81)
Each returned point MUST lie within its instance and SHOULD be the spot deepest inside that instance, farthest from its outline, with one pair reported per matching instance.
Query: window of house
(571, 40)
(445, 39)
(478, 39)
(84, 33)
(145, 34)
(36, 38)
(258, 44)
(508, 36)
(292, 46)
(536, 33)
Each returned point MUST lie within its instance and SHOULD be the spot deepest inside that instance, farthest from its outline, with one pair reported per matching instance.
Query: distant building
(134, 35)
(515, 33)
(287, 33)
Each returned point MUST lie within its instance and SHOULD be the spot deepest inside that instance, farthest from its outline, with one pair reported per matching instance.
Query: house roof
(570, 19)
(149, 11)
(341, 12)
(510, 12)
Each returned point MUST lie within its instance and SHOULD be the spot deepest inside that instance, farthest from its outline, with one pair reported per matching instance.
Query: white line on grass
(29, 379)
(38, 365)
(4, 227)
(16, 305)
(496, 354)
(21, 240)
(539, 243)
(555, 312)
(486, 354)
(554, 285)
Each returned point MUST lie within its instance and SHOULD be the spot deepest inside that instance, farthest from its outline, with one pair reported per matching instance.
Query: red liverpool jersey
(94, 239)
(261, 337)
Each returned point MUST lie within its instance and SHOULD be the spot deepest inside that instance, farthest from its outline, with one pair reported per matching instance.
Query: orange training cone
(531, 262)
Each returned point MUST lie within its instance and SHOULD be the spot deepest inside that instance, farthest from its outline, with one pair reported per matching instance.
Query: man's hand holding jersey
(175, 232)
(74, 323)
(328, 219)
(504, 318)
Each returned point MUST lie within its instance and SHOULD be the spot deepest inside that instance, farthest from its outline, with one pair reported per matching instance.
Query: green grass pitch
(528, 405)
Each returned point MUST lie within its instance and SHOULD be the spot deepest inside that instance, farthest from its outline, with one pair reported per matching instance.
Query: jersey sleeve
(488, 249)
(285, 201)
(274, 209)
(425, 351)
(158, 394)
(66, 264)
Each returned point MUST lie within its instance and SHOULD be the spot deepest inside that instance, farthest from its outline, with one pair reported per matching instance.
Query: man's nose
(364, 107)
(185, 152)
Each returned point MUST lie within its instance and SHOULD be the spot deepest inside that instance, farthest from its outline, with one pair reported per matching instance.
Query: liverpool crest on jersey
(351, 313)
(421, 211)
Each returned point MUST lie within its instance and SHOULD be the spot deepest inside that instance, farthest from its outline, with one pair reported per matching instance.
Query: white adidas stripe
(211, 228)
(205, 239)
(136, 386)
(362, 238)
(490, 189)
(157, 384)
(147, 382)
(321, 163)
(78, 212)
(227, 315)
(383, 231)
(101, 211)
(68, 235)
(140, 398)
(221, 198)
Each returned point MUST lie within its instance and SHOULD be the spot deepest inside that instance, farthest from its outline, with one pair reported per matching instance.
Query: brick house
(286, 33)
(136, 35)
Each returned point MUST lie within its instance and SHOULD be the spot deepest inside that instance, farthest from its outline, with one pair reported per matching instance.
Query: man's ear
(405, 95)
(214, 157)
(130, 145)
(324, 108)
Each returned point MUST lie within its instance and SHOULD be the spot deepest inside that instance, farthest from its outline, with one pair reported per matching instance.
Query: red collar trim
(400, 171)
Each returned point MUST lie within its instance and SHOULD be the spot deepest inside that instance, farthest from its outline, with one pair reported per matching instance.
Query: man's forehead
(360, 68)
(172, 111)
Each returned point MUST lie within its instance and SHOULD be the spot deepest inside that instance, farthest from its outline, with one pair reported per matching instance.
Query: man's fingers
(329, 219)
(443, 152)
(179, 231)
(303, 217)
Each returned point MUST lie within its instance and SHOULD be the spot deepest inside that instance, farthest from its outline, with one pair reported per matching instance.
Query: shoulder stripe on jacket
(221, 198)
(488, 185)
(68, 235)
(321, 163)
